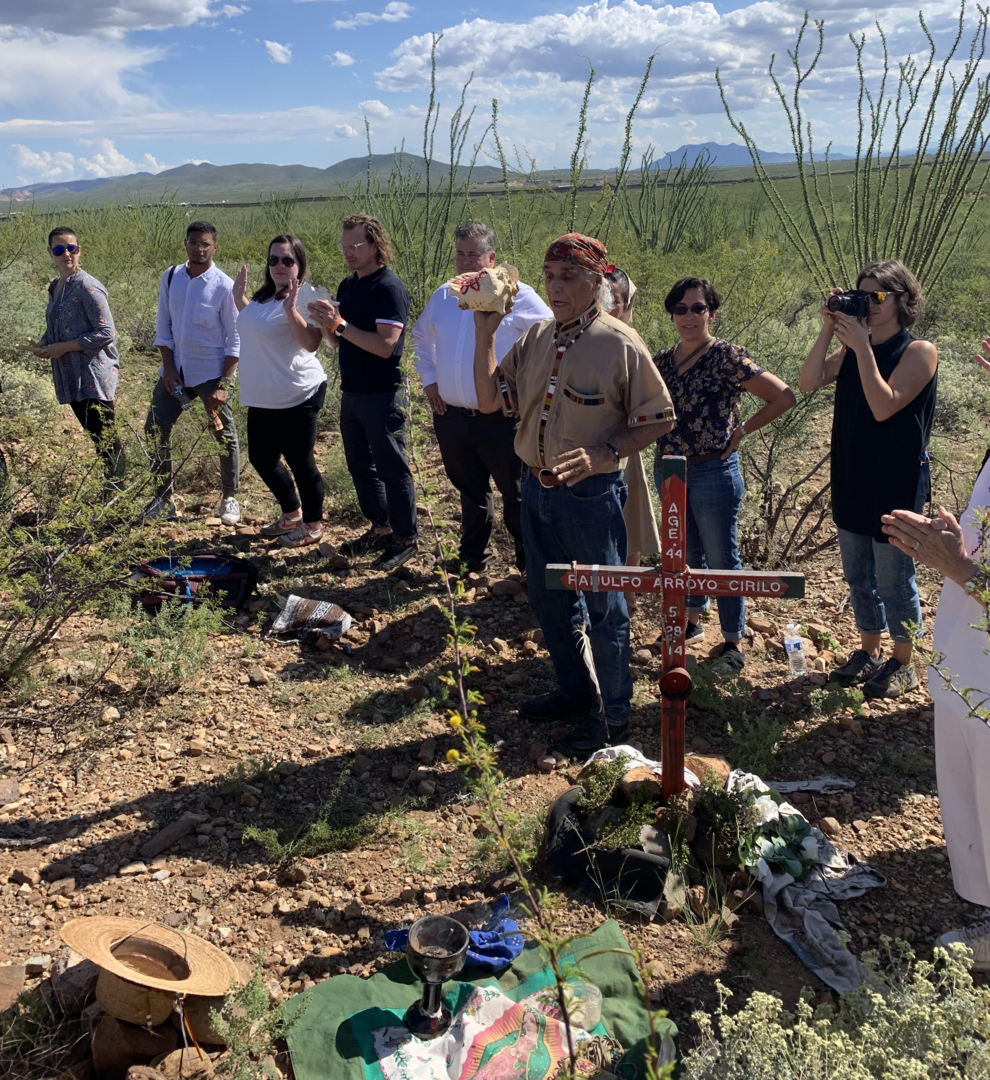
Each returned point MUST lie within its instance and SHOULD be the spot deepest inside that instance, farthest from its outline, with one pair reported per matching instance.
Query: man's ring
(917, 544)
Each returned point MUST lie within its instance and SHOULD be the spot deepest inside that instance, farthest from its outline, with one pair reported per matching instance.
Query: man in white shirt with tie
(476, 447)
(197, 338)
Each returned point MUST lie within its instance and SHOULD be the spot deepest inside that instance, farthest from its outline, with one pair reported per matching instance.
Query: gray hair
(476, 230)
(606, 301)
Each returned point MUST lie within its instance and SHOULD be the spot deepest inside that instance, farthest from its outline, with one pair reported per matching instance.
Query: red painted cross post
(675, 581)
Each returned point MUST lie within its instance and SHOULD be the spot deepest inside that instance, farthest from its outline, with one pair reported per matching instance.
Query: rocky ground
(125, 801)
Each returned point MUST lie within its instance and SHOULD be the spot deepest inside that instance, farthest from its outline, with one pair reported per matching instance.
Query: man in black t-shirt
(367, 325)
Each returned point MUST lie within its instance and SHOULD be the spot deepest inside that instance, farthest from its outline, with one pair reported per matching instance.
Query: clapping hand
(325, 313)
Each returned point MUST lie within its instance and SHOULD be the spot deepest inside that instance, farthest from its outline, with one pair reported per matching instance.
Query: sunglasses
(286, 260)
(351, 247)
(879, 296)
(683, 309)
(61, 249)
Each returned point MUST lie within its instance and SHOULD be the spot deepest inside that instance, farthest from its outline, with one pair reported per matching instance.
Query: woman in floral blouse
(706, 378)
(79, 341)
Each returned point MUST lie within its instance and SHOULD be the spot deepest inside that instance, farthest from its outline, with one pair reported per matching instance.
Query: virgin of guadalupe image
(522, 1045)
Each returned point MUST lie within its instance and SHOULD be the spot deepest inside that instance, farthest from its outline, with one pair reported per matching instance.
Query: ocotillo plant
(903, 203)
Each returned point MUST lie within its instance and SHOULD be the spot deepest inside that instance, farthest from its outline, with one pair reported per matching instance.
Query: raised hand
(240, 287)
(289, 303)
(325, 313)
(985, 346)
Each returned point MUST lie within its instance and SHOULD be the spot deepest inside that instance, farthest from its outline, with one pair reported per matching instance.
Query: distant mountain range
(737, 154)
(247, 182)
(206, 182)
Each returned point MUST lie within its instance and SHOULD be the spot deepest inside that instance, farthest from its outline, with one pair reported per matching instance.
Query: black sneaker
(549, 707)
(695, 631)
(892, 680)
(366, 542)
(858, 668)
(397, 554)
(730, 658)
(591, 735)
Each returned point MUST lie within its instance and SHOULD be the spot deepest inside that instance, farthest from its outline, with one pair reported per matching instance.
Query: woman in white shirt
(283, 385)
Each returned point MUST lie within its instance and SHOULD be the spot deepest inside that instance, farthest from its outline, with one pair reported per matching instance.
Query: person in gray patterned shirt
(79, 341)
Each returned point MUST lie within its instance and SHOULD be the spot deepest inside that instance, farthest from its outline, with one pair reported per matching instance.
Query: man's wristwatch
(618, 456)
(341, 327)
(225, 384)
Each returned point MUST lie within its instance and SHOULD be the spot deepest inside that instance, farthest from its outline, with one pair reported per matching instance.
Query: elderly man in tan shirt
(587, 395)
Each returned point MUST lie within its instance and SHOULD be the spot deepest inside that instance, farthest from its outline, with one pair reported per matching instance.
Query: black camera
(855, 303)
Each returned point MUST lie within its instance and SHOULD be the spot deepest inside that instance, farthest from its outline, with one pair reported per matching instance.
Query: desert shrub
(963, 389)
(909, 1020)
(27, 395)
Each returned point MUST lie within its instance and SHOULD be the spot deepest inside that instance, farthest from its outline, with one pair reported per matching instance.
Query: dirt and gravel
(121, 801)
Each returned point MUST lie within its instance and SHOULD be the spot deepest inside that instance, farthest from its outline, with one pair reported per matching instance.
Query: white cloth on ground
(962, 742)
(275, 371)
(637, 758)
(803, 913)
(197, 320)
(443, 340)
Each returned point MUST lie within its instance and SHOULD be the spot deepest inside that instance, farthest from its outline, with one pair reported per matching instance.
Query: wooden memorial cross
(675, 581)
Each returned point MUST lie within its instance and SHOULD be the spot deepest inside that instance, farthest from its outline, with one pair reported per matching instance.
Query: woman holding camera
(885, 386)
(706, 378)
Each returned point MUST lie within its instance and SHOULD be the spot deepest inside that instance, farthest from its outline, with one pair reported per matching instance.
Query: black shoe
(395, 555)
(549, 707)
(695, 631)
(475, 566)
(892, 680)
(730, 658)
(365, 543)
(591, 735)
(520, 562)
(858, 668)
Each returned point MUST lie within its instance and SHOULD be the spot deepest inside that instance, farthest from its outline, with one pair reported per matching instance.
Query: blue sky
(105, 88)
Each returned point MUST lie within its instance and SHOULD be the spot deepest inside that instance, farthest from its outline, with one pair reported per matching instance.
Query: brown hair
(713, 298)
(268, 290)
(895, 277)
(374, 232)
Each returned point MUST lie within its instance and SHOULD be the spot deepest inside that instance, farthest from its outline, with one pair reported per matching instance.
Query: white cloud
(394, 11)
(196, 161)
(375, 108)
(45, 167)
(338, 59)
(231, 11)
(33, 69)
(278, 54)
(109, 18)
(344, 131)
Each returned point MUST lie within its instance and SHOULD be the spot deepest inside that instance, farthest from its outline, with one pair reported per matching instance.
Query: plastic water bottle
(183, 397)
(794, 647)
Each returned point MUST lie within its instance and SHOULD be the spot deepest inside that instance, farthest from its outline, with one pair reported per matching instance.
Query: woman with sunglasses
(706, 378)
(283, 385)
(886, 381)
(79, 341)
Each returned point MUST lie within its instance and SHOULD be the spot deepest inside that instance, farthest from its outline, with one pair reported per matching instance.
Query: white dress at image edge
(962, 743)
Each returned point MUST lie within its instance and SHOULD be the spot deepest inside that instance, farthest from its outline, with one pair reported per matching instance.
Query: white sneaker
(280, 526)
(230, 510)
(158, 508)
(976, 938)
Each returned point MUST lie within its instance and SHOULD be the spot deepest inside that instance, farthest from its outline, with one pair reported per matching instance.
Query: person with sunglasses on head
(886, 381)
(476, 447)
(79, 339)
(707, 377)
(367, 327)
(283, 385)
(588, 397)
(197, 338)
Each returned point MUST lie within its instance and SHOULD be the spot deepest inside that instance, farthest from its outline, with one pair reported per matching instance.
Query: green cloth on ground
(323, 1043)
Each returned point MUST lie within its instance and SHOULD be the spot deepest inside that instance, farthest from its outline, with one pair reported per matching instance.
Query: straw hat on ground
(151, 955)
(130, 1001)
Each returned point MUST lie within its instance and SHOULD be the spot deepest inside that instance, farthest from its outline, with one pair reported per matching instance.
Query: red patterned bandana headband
(583, 250)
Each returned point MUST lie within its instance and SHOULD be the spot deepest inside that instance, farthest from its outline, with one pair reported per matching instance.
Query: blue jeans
(714, 495)
(882, 587)
(372, 429)
(582, 523)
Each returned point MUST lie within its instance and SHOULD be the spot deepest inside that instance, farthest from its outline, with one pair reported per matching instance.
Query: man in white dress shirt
(476, 447)
(197, 338)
